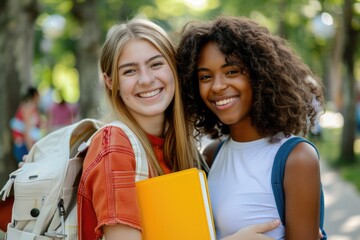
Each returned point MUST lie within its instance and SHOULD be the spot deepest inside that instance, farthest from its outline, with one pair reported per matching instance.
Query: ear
(108, 81)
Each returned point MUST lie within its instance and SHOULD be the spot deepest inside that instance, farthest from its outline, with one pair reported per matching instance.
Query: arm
(120, 231)
(107, 202)
(302, 193)
(254, 232)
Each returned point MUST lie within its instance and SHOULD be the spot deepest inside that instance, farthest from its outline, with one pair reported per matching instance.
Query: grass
(329, 147)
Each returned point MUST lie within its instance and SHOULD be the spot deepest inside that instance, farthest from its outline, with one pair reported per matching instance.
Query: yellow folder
(176, 206)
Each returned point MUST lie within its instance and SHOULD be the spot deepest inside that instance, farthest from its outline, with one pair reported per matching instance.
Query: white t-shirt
(240, 186)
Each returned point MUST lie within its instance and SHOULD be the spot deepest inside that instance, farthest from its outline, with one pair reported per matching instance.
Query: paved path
(342, 206)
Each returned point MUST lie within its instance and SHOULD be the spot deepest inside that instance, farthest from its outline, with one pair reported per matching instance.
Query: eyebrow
(135, 64)
(223, 66)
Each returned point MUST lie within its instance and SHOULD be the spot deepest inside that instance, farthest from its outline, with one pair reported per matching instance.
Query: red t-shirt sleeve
(109, 175)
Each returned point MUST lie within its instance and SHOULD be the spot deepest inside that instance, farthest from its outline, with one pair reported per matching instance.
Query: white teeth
(224, 101)
(149, 94)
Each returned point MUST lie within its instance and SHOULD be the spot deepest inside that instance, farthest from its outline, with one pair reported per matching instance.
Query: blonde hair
(179, 147)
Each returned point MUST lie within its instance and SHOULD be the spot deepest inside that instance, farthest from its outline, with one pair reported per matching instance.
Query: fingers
(263, 237)
(24, 158)
(265, 227)
(20, 164)
(320, 234)
(254, 232)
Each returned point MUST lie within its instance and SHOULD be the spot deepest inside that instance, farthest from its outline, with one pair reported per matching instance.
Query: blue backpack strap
(217, 149)
(277, 177)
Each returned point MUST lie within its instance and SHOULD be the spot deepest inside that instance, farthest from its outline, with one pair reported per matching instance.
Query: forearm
(254, 232)
(121, 231)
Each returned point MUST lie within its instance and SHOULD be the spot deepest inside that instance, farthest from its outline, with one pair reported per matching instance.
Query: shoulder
(304, 156)
(111, 135)
(302, 166)
(109, 140)
(108, 146)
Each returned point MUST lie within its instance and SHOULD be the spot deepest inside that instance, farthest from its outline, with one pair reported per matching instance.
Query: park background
(54, 45)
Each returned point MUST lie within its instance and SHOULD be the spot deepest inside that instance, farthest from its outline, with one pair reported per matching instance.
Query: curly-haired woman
(240, 80)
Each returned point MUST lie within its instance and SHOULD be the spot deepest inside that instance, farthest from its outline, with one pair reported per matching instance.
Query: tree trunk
(349, 89)
(87, 57)
(17, 19)
(282, 29)
(334, 76)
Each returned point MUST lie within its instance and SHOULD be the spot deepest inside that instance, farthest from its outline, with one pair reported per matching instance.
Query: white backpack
(45, 188)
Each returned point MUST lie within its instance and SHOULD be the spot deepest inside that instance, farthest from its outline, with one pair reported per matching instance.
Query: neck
(244, 132)
(154, 126)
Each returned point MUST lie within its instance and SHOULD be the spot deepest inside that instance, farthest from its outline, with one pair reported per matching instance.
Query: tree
(87, 55)
(349, 90)
(16, 46)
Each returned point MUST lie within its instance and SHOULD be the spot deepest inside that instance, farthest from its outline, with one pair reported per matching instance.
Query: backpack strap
(277, 178)
(213, 155)
(218, 149)
(142, 167)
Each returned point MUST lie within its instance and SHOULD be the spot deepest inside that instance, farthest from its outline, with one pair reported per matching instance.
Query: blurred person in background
(61, 113)
(26, 124)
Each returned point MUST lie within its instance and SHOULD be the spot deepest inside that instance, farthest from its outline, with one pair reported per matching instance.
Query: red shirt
(30, 111)
(107, 193)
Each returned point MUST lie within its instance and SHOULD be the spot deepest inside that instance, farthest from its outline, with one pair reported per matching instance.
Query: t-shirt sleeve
(110, 183)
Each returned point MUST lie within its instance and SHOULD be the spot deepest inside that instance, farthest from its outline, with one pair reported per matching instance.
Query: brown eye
(156, 64)
(232, 72)
(129, 72)
(204, 77)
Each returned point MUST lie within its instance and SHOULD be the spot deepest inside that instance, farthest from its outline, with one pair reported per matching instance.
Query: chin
(229, 121)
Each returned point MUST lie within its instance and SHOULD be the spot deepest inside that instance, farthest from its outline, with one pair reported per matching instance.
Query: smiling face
(146, 82)
(224, 87)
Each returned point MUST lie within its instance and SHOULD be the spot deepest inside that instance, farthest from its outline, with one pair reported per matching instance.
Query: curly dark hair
(284, 88)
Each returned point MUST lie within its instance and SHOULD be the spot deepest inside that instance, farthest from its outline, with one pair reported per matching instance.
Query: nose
(146, 76)
(219, 84)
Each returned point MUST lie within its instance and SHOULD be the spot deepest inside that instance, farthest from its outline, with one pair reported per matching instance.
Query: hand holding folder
(176, 206)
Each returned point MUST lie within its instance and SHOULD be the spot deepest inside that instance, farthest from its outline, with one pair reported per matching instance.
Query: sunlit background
(68, 35)
(56, 32)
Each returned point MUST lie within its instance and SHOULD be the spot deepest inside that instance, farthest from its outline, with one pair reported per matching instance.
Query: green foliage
(329, 147)
(173, 14)
(292, 19)
(351, 174)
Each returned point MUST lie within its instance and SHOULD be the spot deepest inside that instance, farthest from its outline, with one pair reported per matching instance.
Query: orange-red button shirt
(107, 193)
